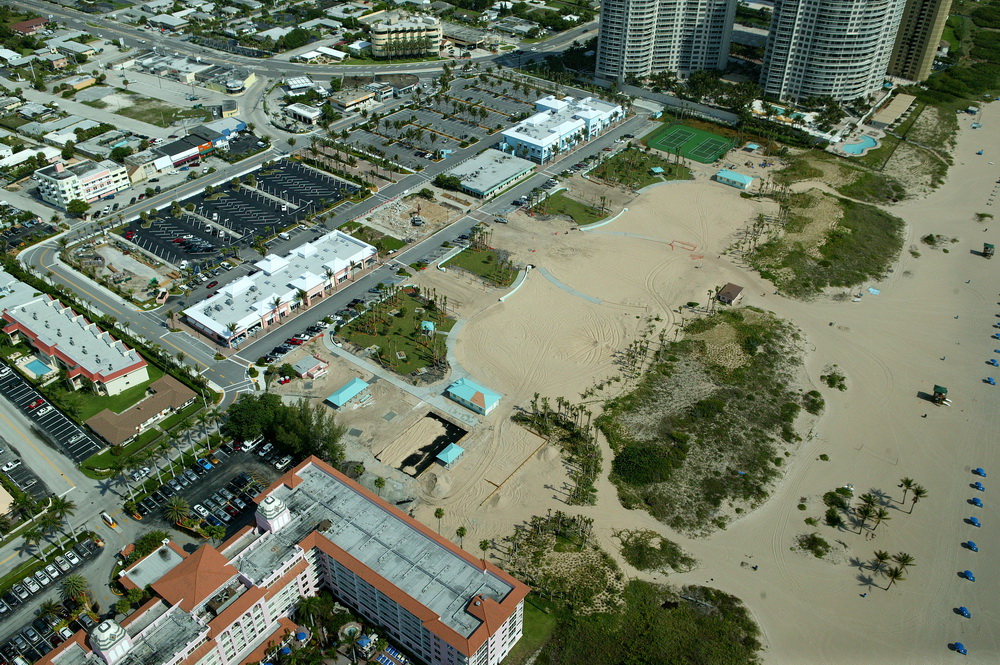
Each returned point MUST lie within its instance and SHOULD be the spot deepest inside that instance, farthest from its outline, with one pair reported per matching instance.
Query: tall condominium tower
(836, 48)
(917, 41)
(642, 37)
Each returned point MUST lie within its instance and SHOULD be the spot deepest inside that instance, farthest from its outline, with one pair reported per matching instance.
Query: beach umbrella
(969, 576)
(960, 648)
(284, 651)
(977, 502)
(964, 611)
(990, 380)
(974, 521)
(979, 471)
(979, 486)
(300, 636)
(972, 546)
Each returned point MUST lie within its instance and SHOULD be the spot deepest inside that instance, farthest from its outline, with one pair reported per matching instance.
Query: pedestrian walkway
(568, 289)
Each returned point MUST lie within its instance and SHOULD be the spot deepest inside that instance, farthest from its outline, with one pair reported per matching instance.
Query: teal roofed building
(473, 396)
(347, 392)
(734, 179)
(449, 455)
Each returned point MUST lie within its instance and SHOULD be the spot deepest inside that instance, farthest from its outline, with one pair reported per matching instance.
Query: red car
(37, 403)
(211, 285)
(294, 342)
(129, 235)
(231, 510)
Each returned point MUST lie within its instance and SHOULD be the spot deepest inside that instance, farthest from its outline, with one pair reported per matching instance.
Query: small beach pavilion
(473, 396)
(347, 392)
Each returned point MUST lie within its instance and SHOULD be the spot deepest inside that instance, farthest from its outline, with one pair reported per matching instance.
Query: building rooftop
(304, 110)
(151, 568)
(474, 393)
(401, 551)
(164, 393)
(346, 392)
(83, 170)
(195, 579)
(246, 300)
(58, 330)
(490, 168)
(734, 176)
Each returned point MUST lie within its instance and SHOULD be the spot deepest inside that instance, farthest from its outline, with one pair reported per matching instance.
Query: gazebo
(450, 454)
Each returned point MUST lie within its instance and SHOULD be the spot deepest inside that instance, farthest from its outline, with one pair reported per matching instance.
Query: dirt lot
(394, 218)
(590, 190)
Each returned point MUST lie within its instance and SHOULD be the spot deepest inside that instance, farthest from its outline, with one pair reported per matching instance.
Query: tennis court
(696, 144)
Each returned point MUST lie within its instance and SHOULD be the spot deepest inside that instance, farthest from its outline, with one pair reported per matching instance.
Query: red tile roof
(195, 578)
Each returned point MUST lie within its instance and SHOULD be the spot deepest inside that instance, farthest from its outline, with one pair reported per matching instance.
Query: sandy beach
(931, 323)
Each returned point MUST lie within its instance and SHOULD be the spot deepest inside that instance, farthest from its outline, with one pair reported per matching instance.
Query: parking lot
(20, 474)
(495, 94)
(198, 487)
(284, 195)
(73, 439)
(30, 637)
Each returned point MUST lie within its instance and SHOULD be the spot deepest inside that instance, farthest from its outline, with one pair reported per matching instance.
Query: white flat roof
(251, 297)
(490, 168)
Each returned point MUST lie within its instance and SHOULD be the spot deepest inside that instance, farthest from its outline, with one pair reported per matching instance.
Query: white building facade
(403, 37)
(643, 37)
(87, 180)
(836, 48)
(560, 125)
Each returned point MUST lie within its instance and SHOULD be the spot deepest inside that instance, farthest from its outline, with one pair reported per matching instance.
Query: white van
(284, 236)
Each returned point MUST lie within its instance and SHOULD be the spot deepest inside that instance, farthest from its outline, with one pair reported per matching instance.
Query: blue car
(214, 521)
(205, 464)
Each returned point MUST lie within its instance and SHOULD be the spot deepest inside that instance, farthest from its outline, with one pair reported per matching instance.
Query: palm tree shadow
(865, 579)
(857, 563)
(884, 498)
(105, 486)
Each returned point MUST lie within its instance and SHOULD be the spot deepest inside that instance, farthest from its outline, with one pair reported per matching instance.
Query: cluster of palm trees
(75, 588)
(881, 559)
(54, 520)
(167, 448)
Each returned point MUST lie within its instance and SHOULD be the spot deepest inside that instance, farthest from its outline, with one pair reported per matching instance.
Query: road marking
(35, 448)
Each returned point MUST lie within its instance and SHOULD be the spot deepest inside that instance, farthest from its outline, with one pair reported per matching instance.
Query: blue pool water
(38, 368)
(858, 148)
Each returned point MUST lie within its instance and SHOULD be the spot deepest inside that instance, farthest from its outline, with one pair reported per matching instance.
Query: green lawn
(399, 334)
(159, 113)
(559, 204)
(538, 627)
(632, 168)
(94, 404)
(485, 264)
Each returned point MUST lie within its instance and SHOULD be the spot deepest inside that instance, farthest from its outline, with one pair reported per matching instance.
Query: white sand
(419, 434)
(546, 340)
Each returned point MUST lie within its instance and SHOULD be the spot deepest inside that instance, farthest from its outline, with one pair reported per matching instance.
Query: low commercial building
(65, 340)
(185, 150)
(73, 49)
(101, 146)
(352, 100)
(29, 27)
(473, 396)
(87, 180)
(56, 60)
(344, 394)
(400, 36)
(79, 82)
(167, 21)
(490, 172)
(734, 179)
(730, 294)
(260, 301)
(304, 113)
(164, 397)
(64, 135)
(313, 529)
(560, 125)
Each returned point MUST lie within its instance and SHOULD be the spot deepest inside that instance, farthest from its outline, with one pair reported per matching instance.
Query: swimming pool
(38, 368)
(858, 148)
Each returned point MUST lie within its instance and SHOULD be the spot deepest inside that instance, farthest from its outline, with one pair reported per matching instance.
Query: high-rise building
(835, 48)
(643, 37)
(917, 41)
(314, 529)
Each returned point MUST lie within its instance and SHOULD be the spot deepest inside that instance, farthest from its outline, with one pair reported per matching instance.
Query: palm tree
(47, 524)
(308, 610)
(881, 515)
(881, 557)
(177, 509)
(76, 587)
(439, 513)
(329, 277)
(460, 532)
(302, 298)
(903, 559)
(380, 484)
(907, 484)
(864, 513)
(120, 466)
(276, 304)
(48, 609)
(216, 532)
(918, 493)
(868, 499)
(895, 575)
(32, 538)
(231, 328)
(484, 545)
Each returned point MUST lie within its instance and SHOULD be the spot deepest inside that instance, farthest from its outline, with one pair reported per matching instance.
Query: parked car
(265, 450)
(31, 634)
(11, 465)
(73, 559)
(174, 485)
(283, 463)
(52, 571)
(37, 403)
(43, 578)
(200, 509)
(205, 464)
(31, 584)
(213, 520)
(43, 411)
(63, 564)
(190, 475)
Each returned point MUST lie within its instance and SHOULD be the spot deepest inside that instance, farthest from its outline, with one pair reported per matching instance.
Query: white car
(31, 584)
(200, 509)
(42, 578)
(42, 411)
(52, 571)
(4, 370)
(10, 466)
(72, 558)
(63, 564)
